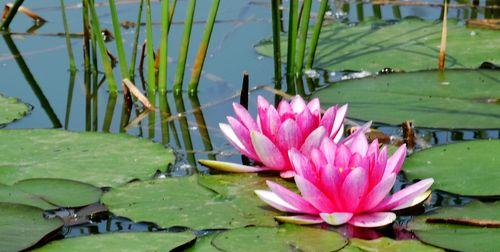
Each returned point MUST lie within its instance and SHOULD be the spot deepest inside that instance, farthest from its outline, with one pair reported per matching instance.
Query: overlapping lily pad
(457, 99)
(183, 202)
(22, 226)
(285, 238)
(11, 109)
(122, 242)
(385, 244)
(95, 158)
(473, 234)
(9, 194)
(409, 45)
(466, 168)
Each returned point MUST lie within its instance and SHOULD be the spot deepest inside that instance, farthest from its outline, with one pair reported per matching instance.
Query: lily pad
(61, 192)
(385, 244)
(285, 238)
(9, 194)
(203, 244)
(22, 226)
(409, 45)
(96, 158)
(465, 168)
(183, 202)
(11, 109)
(136, 241)
(460, 237)
(456, 99)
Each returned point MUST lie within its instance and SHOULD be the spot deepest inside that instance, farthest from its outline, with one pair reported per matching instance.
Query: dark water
(34, 67)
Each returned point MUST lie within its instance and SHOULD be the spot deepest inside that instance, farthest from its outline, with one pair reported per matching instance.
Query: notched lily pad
(22, 226)
(9, 194)
(11, 109)
(183, 202)
(385, 244)
(95, 158)
(284, 238)
(456, 99)
(466, 168)
(469, 237)
(122, 242)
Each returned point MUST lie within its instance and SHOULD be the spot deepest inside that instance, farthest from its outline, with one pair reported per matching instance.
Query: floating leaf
(203, 244)
(463, 99)
(460, 237)
(95, 158)
(22, 226)
(61, 192)
(9, 194)
(465, 168)
(11, 109)
(410, 45)
(385, 244)
(183, 202)
(136, 241)
(285, 238)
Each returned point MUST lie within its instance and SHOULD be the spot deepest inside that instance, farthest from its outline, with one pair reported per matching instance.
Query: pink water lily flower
(345, 183)
(268, 139)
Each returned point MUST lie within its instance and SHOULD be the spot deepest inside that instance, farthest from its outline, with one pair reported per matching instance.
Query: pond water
(34, 68)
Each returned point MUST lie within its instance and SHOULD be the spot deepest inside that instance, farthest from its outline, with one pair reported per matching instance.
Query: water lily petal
(378, 169)
(230, 167)
(302, 165)
(242, 133)
(275, 201)
(313, 195)
(329, 149)
(235, 141)
(361, 130)
(306, 121)
(378, 193)
(298, 104)
(342, 157)
(285, 111)
(328, 118)
(288, 136)
(313, 140)
(395, 162)
(315, 108)
(404, 196)
(354, 188)
(267, 152)
(287, 174)
(373, 148)
(317, 158)
(338, 124)
(372, 220)
(336, 219)
(300, 219)
(245, 117)
(359, 144)
(292, 198)
(417, 200)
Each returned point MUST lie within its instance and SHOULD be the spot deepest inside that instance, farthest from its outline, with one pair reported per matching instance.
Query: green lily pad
(465, 168)
(22, 226)
(409, 45)
(460, 237)
(385, 244)
(61, 192)
(11, 109)
(183, 202)
(203, 244)
(9, 194)
(95, 158)
(137, 241)
(456, 99)
(285, 238)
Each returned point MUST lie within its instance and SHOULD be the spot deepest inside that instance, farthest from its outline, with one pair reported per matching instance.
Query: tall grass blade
(202, 50)
(72, 66)
(293, 22)
(304, 27)
(150, 50)
(136, 41)
(163, 52)
(118, 39)
(183, 49)
(276, 39)
(10, 16)
(316, 32)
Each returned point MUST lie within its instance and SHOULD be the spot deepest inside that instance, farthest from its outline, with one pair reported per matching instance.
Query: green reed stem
(171, 13)
(164, 115)
(202, 50)
(293, 22)
(136, 41)
(72, 65)
(183, 49)
(69, 99)
(110, 111)
(86, 36)
(276, 39)
(150, 50)
(96, 32)
(118, 39)
(10, 16)
(304, 27)
(316, 32)
(162, 73)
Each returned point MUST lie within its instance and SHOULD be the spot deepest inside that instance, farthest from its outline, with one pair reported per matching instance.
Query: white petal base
(372, 220)
(336, 219)
(230, 167)
(300, 219)
(417, 200)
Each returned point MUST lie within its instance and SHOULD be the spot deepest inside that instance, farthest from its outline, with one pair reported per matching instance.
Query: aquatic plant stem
(304, 27)
(150, 50)
(96, 32)
(442, 49)
(276, 39)
(183, 49)
(10, 16)
(202, 50)
(118, 40)
(86, 36)
(72, 66)
(293, 22)
(136, 42)
(316, 32)
(163, 52)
